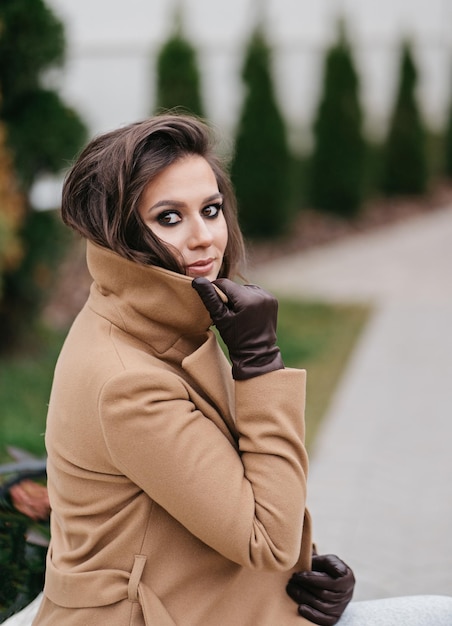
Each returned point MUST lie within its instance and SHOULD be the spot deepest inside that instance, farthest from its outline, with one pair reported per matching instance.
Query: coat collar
(161, 309)
(155, 305)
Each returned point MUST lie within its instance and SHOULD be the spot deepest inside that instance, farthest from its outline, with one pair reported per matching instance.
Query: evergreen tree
(337, 167)
(261, 164)
(43, 134)
(178, 77)
(32, 40)
(447, 151)
(404, 154)
(447, 165)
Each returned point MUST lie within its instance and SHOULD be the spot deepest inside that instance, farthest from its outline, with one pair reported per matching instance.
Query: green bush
(447, 144)
(43, 135)
(261, 166)
(25, 289)
(42, 131)
(405, 167)
(12, 556)
(32, 40)
(337, 168)
(178, 77)
(22, 565)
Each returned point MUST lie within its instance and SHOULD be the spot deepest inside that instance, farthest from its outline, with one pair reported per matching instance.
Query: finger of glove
(321, 580)
(247, 296)
(210, 298)
(331, 564)
(320, 602)
(316, 616)
(321, 596)
(296, 593)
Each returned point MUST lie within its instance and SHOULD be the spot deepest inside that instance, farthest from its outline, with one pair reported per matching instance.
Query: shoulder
(152, 379)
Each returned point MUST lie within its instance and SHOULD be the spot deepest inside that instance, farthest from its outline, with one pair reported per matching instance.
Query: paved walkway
(380, 486)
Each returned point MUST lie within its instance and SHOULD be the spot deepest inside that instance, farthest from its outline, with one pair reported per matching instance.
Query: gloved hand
(323, 593)
(246, 323)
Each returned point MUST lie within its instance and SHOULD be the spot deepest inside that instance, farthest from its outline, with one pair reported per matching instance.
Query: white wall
(112, 44)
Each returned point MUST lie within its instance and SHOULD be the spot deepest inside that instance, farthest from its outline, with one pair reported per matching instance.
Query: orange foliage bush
(12, 210)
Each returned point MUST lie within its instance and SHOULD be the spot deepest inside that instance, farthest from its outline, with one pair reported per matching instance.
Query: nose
(200, 234)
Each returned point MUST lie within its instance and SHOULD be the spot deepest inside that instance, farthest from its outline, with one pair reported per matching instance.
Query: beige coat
(178, 495)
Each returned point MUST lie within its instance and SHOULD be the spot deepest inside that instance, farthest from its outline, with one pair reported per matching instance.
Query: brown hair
(102, 190)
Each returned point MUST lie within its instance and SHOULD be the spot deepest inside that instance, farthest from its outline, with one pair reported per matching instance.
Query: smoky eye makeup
(170, 213)
(168, 218)
(212, 210)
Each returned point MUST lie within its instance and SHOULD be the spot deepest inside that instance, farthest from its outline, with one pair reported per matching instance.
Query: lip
(201, 268)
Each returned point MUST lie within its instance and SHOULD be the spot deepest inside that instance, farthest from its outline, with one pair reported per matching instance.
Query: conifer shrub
(404, 168)
(178, 76)
(32, 41)
(261, 165)
(337, 168)
(25, 289)
(446, 164)
(43, 134)
(42, 131)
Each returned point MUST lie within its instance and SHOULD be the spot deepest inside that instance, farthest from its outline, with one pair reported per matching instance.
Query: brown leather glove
(246, 323)
(323, 593)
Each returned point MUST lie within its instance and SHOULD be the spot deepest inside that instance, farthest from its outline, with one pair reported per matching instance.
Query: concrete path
(380, 486)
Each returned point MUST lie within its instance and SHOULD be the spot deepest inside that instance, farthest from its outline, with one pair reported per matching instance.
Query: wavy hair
(102, 190)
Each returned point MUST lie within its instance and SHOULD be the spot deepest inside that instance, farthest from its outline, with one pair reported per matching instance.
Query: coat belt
(77, 590)
(90, 589)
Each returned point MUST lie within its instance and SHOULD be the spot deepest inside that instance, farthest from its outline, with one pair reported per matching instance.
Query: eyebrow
(177, 203)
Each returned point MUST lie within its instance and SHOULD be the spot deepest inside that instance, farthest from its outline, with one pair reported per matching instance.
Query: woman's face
(183, 207)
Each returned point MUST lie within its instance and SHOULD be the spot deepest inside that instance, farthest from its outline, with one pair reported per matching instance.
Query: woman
(177, 489)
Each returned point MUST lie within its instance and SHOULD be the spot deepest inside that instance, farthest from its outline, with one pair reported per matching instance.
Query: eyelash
(165, 214)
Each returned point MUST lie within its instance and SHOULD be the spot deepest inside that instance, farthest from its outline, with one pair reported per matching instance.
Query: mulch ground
(313, 229)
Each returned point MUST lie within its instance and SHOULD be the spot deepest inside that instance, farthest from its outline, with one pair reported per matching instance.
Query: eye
(212, 210)
(168, 218)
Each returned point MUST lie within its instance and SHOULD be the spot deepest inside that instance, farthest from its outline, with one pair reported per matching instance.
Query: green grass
(25, 381)
(318, 337)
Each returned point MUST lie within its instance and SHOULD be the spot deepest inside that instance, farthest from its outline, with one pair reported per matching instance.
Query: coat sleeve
(246, 504)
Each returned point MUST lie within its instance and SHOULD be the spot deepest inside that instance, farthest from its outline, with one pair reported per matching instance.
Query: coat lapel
(211, 372)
